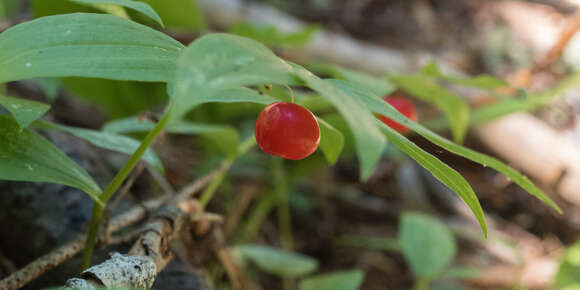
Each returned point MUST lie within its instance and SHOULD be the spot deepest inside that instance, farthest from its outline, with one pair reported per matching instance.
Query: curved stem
(116, 183)
(291, 92)
(209, 192)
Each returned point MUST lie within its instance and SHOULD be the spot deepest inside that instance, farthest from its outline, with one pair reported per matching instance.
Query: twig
(148, 256)
(56, 257)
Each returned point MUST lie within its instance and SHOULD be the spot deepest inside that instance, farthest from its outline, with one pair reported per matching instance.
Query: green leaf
(379, 106)
(87, 45)
(331, 141)
(379, 86)
(275, 261)
(369, 140)
(455, 107)
(24, 111)
(441, 171)
(225, 137)
(271, 36)
(345, 280)
(482, 81)
(512, 105)
(139, 6)
(106, 140)
(372, 243)
(180, 14)
(217, 63)
(27, 156)
(428, 246)
(568, 274)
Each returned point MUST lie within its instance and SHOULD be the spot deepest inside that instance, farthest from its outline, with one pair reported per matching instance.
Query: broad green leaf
(455, 107)
(87, 45)
(275, 261)
(369, 140)
(180, 14)
(216, 63)
(345, 280)
(24, 111)
(568, 275)
(331, 141)
(271, 36)
(107, 140)
(379, 86)
(139, 6)
(428, 246)
(441, 171)
(225, 137)
(377, 105)
(27, 156)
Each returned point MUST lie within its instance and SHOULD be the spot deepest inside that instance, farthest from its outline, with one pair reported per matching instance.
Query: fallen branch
(148, 256)
(49, 261)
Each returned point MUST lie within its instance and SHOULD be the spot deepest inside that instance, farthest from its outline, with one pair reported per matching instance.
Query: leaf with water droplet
(24, 111)
(27, 156)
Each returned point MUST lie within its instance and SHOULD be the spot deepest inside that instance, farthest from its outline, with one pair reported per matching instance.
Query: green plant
(218, 68)
(427, 245)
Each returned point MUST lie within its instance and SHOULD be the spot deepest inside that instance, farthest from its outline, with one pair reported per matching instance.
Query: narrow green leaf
(87, 45)
(271, 36)
(441, 171)
(455, 107)
(220, 62)
(225, 137)
(24, 111)
(106, 140)
(331, 141)
(275, 261)
(50, 87)
(428, 245)
(376, 104)
(139, 6)
(369, 140)
(381, 86)
(345, 280)
(483, 81)
(372, 243)
(27, 156)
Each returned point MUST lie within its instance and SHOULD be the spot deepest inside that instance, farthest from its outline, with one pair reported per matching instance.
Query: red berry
(405, 107)
(287, 130)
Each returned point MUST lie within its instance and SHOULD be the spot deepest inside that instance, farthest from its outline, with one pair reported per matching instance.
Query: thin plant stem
(422, 283)
(116, 183)
(210, 190)
(291, 93)
(284, 218)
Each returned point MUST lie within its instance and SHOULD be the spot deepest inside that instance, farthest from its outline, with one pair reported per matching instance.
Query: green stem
(92, 236)
(116, 183)
(211, 189)
(284, 218)
(422, 284)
